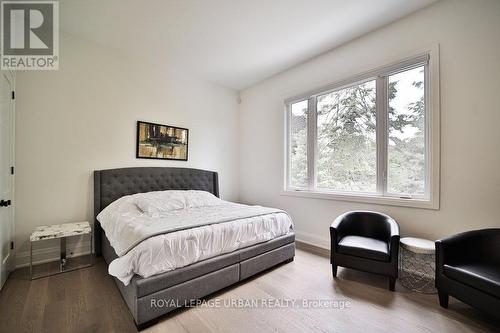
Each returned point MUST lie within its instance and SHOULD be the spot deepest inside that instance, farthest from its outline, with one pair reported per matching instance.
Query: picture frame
(161, 142)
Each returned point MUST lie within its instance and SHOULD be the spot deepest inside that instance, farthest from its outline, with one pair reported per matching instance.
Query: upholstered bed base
(150, 298)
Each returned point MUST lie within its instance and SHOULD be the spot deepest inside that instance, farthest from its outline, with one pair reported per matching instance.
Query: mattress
(161, 253)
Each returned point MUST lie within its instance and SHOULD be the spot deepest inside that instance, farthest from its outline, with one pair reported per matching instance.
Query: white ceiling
(234, 43)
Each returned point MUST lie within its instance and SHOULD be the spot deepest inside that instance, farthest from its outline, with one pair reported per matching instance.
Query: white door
(6, 178)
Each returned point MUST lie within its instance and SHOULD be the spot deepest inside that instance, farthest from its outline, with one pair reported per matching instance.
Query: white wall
(83, 118)
(468, 33)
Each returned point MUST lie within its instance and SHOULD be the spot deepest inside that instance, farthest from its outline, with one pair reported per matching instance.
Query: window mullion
(382, 106)
(311, 143)
(288, 140)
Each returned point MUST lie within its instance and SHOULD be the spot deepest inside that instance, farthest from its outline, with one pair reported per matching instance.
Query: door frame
(11, 78)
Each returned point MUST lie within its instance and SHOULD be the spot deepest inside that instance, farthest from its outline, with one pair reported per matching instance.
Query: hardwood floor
(88, 301)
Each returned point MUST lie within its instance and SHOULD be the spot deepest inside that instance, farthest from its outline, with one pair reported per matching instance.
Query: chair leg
(334, 270)
(443, 299)
(392, 283)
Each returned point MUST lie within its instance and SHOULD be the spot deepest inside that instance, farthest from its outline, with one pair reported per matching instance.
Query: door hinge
(12, 245)
(13, 94)
(11, 170)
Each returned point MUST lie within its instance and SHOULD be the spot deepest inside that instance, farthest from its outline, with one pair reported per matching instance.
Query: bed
(180, 286)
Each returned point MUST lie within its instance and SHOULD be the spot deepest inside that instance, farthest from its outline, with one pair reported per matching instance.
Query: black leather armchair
(366, 241)
(468, 268)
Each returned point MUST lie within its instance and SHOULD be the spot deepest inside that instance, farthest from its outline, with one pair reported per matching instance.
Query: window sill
(372, 199)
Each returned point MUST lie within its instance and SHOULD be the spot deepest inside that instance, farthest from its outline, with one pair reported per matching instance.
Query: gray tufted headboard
(112, 184)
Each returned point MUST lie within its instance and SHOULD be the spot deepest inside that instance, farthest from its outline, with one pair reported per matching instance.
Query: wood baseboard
(312, 248)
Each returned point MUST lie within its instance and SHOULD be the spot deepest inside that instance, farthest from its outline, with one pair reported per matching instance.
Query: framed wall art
(162, 142)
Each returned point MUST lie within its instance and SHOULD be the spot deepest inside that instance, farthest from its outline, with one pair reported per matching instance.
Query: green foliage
(299, 160)
(346, 139)
(346, 130)
(406, 171)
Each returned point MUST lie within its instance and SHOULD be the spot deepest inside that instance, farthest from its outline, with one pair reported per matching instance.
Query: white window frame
(429, 58)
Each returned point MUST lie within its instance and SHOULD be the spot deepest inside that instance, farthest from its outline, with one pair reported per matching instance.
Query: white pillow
(120, 207)
(160, 201)
(166, 201)
(201, 199)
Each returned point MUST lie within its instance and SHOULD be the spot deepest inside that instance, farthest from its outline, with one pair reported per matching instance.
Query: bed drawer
(264, 261)
(183, 274)
(162, 302)
(255, 250)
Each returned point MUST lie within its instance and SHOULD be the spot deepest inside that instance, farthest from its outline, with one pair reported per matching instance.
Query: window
(373, 138)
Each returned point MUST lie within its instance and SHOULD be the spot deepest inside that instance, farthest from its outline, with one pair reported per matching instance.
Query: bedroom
(219, 83)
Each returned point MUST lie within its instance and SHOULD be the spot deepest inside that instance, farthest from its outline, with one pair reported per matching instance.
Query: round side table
(417, 264)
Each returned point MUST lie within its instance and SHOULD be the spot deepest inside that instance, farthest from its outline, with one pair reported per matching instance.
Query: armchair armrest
(462, 246)
(337, 227)
(393, 236)
(456, 248)
(334, 235)
(394, 231)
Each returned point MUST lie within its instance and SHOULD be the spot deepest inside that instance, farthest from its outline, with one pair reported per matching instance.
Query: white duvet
(157, 232)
